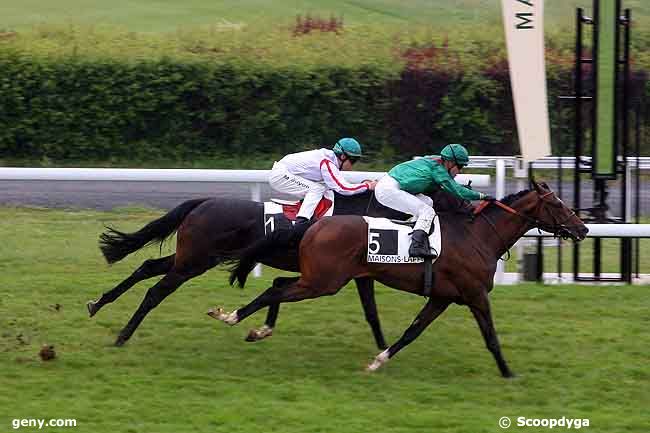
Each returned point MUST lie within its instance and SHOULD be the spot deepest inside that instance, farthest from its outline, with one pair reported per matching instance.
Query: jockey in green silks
(404, 186)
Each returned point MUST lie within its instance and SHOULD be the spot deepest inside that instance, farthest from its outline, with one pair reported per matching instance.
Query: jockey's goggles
(352, 159)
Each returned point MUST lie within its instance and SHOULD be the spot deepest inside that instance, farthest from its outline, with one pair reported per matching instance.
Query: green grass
(580, 352)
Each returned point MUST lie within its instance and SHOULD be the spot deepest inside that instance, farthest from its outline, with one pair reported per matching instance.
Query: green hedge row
(79, 108)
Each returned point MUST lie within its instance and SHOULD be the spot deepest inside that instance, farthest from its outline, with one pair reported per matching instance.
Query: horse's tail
(116, 245)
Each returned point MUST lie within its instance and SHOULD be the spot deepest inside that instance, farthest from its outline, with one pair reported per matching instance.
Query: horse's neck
(501, 229)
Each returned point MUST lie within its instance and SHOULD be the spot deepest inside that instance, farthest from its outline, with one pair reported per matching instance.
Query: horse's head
(549, 213)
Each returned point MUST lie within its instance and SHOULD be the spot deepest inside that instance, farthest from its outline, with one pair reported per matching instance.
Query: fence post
(500, 192)
(256, 195)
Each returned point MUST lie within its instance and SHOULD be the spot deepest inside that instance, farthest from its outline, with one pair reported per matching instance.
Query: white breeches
(389, 194)
(311, 192)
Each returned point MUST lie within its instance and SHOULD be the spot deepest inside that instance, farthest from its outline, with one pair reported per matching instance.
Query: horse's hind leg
(266, 330)
(150, 268)
(283, 290)
(155, 295)
(432, 309)
(366, 289)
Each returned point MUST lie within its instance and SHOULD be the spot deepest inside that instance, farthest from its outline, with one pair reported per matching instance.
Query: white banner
(524, 28)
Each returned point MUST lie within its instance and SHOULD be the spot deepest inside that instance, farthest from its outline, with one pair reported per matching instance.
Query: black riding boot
(298, 230)
(420, 245)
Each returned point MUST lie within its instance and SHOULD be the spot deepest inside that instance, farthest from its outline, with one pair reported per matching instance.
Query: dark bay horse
(210, 231)
(334, 251)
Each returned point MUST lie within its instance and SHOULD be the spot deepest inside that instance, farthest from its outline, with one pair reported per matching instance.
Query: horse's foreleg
(432, 309)
(150, 268)
(155, 295)
(366, 289)
(481, 311)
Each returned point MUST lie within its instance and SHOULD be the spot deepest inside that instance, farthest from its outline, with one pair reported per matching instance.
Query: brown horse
(334, 251)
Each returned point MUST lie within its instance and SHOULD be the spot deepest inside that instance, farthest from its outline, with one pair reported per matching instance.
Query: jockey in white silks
(404, 186)
(308, 175)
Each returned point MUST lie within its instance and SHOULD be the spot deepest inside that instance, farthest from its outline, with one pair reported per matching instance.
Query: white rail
(549, 162)
(181, 175)
(257, 177)
(254, 177)
(606, 231)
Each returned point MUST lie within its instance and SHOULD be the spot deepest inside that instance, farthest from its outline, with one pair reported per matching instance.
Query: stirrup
(421, 250)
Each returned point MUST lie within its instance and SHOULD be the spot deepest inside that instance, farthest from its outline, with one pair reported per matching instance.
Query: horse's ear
(541, 187)
(535, 185)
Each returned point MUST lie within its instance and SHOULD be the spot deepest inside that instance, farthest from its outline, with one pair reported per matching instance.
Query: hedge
(100, 108)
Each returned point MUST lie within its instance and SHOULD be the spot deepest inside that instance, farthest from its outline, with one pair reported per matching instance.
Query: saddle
(290, 208)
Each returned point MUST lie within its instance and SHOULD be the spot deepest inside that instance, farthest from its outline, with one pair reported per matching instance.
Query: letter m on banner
(524, 28)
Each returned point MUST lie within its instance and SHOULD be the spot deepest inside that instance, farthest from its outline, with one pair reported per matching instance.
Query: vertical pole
(520, 174)
(637, 199)
(597, 256)
(501, 178)
(540, 259)
(256, 195)
(500, 193)
(626, 243)
(559, 239)
(625, 108)
(577, 133)
(628, 193)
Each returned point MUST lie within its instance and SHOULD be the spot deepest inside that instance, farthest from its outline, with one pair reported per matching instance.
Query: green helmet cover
(348, 146)
(455, 153)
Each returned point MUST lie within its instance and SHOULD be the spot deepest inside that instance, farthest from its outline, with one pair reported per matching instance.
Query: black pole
(626, 243)
(540, 260)
(637, 186)
(559, 240)
(597, 255)
(624, 107)
(577, 133)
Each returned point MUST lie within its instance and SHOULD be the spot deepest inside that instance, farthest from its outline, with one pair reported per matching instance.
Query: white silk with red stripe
(321, 165)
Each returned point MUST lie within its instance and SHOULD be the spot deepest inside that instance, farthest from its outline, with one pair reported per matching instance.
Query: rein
(556, 228)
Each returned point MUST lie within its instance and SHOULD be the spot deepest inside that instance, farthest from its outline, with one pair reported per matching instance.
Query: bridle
(559, 229)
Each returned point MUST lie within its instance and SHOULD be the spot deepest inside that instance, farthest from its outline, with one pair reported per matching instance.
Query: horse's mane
(509, 199)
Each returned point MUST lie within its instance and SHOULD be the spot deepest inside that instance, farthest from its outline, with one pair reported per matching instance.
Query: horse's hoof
(379, 360)
(219, 314)
(259, 334)
(92, 308)
(120, 341)
(373, 366)
(216, 313)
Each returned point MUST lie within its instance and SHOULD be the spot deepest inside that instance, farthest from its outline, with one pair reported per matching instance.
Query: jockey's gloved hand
(488, 198)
